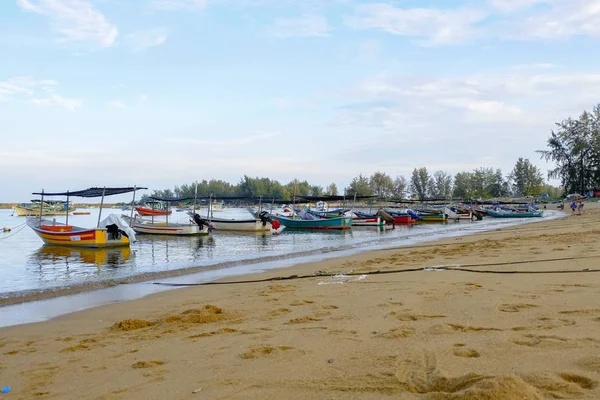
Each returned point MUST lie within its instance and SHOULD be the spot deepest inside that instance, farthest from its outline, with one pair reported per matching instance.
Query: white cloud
(117, 104)
(235, 141)
(27, 89)
(141, 40)
(179, 5)
(143, 98)
(535, 66)
(76, 20)
(56, 100)
(516, 5)
(434, 26)
(564, 19)
(304, 26)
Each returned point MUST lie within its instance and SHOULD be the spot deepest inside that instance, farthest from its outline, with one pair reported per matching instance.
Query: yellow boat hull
(65, 235)
(32, 212)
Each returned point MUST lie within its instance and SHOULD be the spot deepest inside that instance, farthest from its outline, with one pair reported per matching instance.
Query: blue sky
(163, 92)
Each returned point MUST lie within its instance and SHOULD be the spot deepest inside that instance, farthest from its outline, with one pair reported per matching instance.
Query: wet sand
(425, 334)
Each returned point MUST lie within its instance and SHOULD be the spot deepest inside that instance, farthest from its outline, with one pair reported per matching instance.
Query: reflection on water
(48, 254)
(27, 264)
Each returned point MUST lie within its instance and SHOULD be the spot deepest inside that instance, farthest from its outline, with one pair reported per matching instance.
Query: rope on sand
(453, 267)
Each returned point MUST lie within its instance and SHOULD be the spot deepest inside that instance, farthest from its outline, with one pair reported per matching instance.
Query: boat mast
(153, 211)
(41, 206)
(133, 203)
(168, 205)
(67, 212)
(195, 199)
(101, 204)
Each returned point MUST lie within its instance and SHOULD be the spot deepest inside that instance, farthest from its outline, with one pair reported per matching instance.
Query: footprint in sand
(263, 350)
(531, 340)
(398, 333)
(562, 385)
(414, 317)
(512, 308)
(468, 353)
(450, 328)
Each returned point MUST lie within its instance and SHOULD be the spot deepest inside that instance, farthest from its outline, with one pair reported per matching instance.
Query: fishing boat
(193, 227)
(374, 221)
(149, 211)
(317, 223)
(81, 213)
(145, 226)
(110, 232)
(514, 214)
(48, 208)
(262, 223)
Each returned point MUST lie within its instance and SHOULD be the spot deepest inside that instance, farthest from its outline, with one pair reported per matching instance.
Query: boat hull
(329, 223)
(34, 212)
(66, 235)
(164, 228)
(233, 225)
(149, 211)
(376, 221)
(496, 214)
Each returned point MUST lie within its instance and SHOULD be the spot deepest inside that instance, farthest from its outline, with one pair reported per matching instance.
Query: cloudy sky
(163, 92)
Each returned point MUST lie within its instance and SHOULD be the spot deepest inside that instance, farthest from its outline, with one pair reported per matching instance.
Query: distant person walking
(579, 207)
(573, 207)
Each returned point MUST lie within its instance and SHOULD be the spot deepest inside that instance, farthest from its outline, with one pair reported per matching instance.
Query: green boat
(510, 214)
(317, 223)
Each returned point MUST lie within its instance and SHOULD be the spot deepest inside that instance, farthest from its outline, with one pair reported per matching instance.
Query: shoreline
(419, 334)
(112, 290)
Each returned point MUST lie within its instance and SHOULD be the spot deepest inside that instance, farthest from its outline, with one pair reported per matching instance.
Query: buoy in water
(276, 224)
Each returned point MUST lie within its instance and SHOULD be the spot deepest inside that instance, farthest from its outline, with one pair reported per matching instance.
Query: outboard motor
(201, 222)
(264, 217)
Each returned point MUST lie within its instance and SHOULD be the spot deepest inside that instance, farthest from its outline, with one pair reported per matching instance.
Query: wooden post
(41, 206)
(101, 204)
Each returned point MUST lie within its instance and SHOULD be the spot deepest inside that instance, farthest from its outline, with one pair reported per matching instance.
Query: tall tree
(462, 185)
(400, 187)
(420, 183)
(332, 190)
(526, 178)
(381, 184)
(359, 186)
(316, 190)
(575, 149)
(441, 185)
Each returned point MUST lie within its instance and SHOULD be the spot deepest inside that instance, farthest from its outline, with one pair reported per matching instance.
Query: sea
(40, 281)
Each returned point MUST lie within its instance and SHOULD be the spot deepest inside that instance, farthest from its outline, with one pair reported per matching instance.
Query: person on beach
(573, 207)
(579, 207)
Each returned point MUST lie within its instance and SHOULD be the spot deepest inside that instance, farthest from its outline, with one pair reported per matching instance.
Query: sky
(157, 93)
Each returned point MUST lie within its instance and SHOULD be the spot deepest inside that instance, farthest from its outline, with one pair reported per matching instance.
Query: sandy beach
(424, 334)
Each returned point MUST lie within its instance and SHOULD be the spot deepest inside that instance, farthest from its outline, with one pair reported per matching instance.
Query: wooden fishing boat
(432, 217)
(513, 214)
(81, 213)
(262, 223)
(317, 223)
(47, 209)
(374, 221)
(110, 232)
(146, 211)
(144, 226)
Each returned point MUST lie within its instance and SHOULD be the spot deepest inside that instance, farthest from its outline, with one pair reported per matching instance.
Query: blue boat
(512, 214)
(316, 223)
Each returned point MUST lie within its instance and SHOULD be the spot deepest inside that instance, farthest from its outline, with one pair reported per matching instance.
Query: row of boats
(120, 230)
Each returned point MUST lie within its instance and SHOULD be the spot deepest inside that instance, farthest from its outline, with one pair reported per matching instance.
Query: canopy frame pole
(133, 203)
(168, 205)
(260, 204)
(67, 210)
(101, 204)
(195, 200)
(153, 201)
(41, 207)
(272, 202)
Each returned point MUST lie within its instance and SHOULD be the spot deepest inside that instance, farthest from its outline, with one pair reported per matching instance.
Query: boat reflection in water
(80, 255)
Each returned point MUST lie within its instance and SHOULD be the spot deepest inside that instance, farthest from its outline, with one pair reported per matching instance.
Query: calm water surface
(26, 264)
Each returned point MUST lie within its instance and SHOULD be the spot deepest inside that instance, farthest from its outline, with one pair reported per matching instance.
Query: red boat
(152, 211)
(402, 219)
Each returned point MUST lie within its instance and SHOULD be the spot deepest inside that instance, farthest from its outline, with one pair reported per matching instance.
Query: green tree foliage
(400, 187)
(381, 184)
(526, 178)
(420, 182)
(462, 186)
(316, 190)
(332, 190)
(575, 149)
(359, 186)
(440, 185)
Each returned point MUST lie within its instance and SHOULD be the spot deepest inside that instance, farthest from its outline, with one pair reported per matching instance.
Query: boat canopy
(93, 192)
(170, 199)
(335, 198)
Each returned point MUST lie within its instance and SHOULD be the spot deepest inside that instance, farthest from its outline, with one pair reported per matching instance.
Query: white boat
(261, 224)
(146, 226)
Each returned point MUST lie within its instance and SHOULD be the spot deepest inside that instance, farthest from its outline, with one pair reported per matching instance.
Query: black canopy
(335, 198)
(94, 192)
(171, 199)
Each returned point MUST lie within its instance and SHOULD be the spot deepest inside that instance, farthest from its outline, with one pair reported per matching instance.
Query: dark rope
(462, 268)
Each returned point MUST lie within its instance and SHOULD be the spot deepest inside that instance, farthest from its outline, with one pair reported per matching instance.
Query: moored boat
(263, 223)
(144, 226)
(110, 232)
(514, 214)
(147, 211)
(316, 223)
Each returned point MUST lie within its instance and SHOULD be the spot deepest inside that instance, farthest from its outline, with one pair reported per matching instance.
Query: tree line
(575, 149)
(524, 180)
